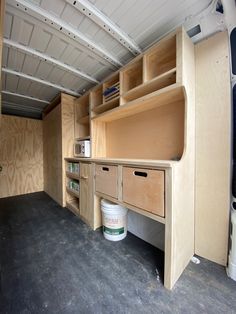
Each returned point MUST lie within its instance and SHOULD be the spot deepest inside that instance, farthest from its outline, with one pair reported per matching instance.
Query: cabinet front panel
(144, 188)
(106, 180)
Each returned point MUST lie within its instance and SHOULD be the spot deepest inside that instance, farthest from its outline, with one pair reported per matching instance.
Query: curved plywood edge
(21, 156)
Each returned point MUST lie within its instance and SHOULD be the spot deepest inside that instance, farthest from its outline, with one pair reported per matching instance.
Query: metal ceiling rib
(104, 22)
(59, 24)
(42, 56)
(35, 79)
(25, 97)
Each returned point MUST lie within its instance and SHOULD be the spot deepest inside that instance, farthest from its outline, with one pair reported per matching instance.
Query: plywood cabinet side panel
(180, 217)
(213, 142)
(21, 156)
(68, 135)
(52, 140)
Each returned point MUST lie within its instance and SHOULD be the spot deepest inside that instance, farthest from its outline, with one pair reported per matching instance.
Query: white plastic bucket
(114, 218)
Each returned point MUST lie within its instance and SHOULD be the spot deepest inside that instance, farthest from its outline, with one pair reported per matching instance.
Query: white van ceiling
(66, 45)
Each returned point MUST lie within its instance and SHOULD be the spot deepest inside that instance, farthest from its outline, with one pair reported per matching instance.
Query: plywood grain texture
(213, 145)
(52, 154)
(21, 156)
(58, 137)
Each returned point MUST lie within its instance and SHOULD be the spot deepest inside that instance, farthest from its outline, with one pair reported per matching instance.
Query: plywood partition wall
(58, 137)
(213, 142)
(21, 156)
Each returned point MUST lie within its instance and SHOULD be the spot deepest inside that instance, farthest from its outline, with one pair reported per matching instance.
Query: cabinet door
(86, 210)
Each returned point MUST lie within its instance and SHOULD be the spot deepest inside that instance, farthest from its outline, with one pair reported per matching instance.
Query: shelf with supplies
(145, 113)
(106, 96)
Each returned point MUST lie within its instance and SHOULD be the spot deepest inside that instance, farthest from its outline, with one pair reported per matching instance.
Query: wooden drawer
(106, 180)
(144, 188)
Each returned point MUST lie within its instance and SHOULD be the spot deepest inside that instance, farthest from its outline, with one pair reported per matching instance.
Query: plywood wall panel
(58, 138)
(52, 155)
(21, 156)
(213, 145)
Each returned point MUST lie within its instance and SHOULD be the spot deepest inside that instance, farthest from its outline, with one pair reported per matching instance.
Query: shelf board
(84, 120)
(71, 205)
(73, 175)
(150, 86)
(72, 192)
(82, 138)
(107, 105)
(164, 96)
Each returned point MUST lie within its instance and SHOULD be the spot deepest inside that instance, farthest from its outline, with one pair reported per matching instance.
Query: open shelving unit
(143, 136)
(72, 196)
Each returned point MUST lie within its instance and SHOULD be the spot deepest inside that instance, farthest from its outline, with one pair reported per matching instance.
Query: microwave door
(78, 149)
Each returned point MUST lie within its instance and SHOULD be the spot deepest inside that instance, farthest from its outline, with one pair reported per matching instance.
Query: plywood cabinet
(142, 136)
(58, 138)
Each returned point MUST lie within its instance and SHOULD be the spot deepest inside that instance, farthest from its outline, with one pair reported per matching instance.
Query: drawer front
(106, 180)
(144, 188)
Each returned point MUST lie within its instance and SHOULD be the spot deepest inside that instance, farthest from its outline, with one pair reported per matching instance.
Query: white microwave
(82, 148)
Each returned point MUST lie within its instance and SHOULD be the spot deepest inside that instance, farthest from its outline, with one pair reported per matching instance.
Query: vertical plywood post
(213, 148)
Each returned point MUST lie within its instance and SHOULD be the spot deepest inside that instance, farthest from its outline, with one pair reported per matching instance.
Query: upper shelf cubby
(82, 117)
(132, 76)
(160, 59)
(106, 96)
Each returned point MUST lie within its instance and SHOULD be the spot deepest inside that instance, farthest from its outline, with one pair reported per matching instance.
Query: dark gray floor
(51, 262)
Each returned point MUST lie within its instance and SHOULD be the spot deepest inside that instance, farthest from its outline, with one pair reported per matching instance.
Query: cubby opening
(153, 134)
(111, 88)
(149, 87)
(161, 59)
(96, 97)
(132, 76)
(82, 123)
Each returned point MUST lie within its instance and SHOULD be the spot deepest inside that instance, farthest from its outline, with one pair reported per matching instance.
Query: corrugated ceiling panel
(24, 87)
(40, 39)
(51, 6)
(11, 83)
(15, 59)
(23, 101)
(55, 33)
(144, 21)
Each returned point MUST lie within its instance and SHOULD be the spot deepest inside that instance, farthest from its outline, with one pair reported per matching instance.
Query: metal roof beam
(25, 96)
(106, 24)
(35, 79)
(63, 27)
(44, 57)
(21, 107)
